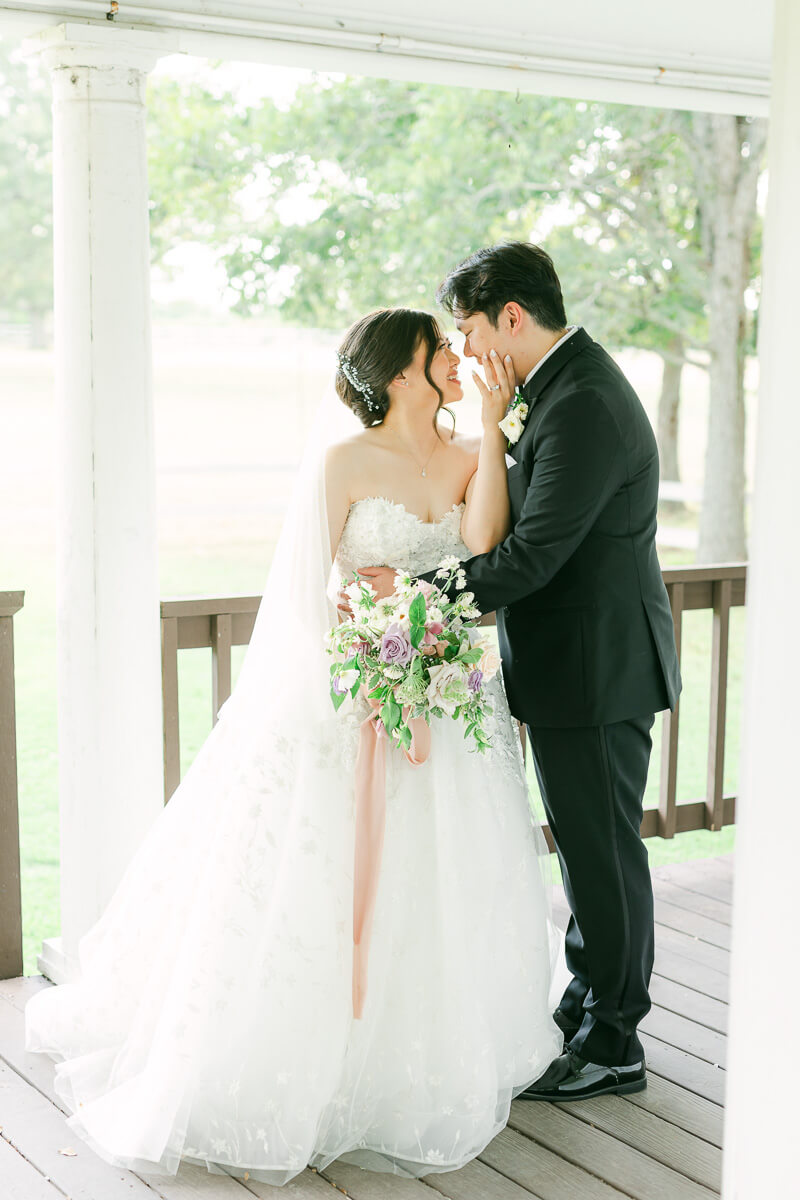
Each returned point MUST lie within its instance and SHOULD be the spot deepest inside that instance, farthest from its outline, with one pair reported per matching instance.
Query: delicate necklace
(424, 468)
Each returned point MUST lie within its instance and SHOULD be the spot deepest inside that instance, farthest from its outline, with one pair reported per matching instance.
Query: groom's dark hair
(489, 278)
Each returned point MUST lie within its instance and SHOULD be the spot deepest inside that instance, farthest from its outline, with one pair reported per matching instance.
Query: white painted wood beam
(761, 1117)
(109, 701)
(438, 53)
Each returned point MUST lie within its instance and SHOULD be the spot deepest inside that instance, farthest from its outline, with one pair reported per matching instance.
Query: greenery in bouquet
(415, 654)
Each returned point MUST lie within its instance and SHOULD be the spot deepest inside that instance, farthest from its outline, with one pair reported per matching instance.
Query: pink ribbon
(370, 828)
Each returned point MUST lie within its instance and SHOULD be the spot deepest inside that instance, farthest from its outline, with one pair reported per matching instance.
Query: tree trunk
(728, 210)
(722, 527)
(668, 419)
(668, 426)
(37, 331)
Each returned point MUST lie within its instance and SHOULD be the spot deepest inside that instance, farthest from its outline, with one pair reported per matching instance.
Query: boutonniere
(513, 422)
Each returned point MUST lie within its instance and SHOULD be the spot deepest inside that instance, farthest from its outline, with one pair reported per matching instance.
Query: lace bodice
(380, 533)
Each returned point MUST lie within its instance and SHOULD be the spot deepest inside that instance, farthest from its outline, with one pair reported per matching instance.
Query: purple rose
(475, 681)
(396, 649)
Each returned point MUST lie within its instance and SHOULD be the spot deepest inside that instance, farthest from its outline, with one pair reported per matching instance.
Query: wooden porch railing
(222, 623)
(10, 898)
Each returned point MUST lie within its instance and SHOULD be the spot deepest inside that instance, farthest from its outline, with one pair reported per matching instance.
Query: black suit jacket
(583, 617)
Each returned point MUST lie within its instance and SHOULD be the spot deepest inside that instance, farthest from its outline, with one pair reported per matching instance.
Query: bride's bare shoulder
(346, 462)
(349, 451)
(467, 444)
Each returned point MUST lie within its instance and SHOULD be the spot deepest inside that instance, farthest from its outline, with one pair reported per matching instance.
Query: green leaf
(391, 714)
(417, 610)
(473, 655)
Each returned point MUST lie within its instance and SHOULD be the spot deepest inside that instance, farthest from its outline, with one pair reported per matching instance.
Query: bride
(211, 1017)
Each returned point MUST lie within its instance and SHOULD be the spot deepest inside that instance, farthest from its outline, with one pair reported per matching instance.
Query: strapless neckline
(383, 532)
(407, 511)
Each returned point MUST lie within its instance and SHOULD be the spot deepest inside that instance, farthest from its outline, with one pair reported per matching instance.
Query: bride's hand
(498, 390)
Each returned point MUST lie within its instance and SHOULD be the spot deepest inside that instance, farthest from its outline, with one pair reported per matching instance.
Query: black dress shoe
(570, 1077)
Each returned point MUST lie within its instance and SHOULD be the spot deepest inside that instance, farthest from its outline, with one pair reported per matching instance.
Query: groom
(586, 637)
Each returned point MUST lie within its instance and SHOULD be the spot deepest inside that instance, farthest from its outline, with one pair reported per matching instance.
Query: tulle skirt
(211, 1019)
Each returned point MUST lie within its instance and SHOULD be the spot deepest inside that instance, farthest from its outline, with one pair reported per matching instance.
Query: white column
(110, 741)
(760, 1158)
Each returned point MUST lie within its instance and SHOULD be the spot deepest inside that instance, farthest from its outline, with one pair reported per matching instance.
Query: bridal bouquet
(415, 654)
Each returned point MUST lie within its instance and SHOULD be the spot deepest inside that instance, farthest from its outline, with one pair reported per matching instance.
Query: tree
(26, 223)
(386, 184)
(636, 208)
(198, 160)
(200, 157)
(729, 155)
(363, 192)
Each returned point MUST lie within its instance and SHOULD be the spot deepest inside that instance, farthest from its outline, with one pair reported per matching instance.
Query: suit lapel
(545, 375)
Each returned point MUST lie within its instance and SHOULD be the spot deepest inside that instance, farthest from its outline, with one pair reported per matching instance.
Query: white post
(760, 1156)
(110, 742)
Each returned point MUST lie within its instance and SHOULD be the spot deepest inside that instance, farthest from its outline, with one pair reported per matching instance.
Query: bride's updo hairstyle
(375, 350)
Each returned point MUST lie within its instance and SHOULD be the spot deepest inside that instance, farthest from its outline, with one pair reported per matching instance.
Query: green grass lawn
(231, 405)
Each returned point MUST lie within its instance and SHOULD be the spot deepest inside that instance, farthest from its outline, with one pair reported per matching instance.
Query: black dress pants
(592, 781)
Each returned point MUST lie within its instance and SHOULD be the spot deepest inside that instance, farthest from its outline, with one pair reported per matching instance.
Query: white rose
(448, 687)
(489, 663)
(511, 425)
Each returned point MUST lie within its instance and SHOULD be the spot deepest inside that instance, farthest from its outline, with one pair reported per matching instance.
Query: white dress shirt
(570, 330)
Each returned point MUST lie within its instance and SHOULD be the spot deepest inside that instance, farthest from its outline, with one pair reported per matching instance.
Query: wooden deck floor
(660, 1144)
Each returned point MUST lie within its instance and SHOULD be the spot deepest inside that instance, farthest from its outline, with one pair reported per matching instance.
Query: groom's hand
(381, 578)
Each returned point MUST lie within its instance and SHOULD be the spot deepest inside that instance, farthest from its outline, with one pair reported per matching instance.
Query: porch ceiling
(710, 55)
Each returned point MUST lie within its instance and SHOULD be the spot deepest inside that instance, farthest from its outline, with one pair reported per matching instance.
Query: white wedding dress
(212, 1016)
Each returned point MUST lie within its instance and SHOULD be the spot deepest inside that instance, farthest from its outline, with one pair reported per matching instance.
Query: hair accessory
(352, 377)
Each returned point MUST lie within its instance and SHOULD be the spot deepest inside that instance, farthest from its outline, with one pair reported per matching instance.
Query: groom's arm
(579, 464)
